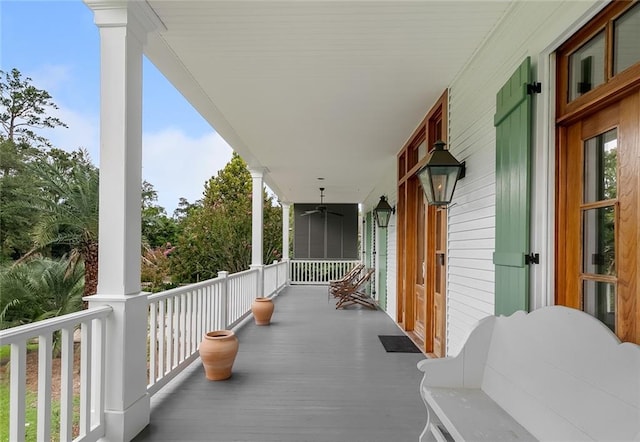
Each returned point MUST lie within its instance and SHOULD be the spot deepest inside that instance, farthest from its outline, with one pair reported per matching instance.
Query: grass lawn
(31, 401)
(31, 413)
(5, 352)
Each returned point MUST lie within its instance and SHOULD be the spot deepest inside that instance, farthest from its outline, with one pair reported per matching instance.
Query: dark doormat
(398, 344)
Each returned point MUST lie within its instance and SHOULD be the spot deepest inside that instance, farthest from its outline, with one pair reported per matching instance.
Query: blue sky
(57, 44)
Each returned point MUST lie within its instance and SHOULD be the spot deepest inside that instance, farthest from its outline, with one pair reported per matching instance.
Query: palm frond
(67, 204)
(41, 288)
(7, 306)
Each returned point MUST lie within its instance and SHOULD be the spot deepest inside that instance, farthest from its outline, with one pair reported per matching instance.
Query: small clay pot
(262, 309)
(218, 351)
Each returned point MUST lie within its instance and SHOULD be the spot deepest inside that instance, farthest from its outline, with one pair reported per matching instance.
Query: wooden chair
(354, 293)
(351, 275)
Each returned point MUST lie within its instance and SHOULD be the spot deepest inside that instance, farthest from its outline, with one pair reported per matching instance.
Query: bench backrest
(564, 376)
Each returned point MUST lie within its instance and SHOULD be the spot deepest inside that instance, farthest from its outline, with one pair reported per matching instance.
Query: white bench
(553, 374)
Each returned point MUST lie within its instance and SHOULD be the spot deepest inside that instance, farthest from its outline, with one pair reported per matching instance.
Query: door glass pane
(422, 150)
(439, 239)
(626, 49)
(599, 300)
(586, 67)
(600, 167)
(598, 241)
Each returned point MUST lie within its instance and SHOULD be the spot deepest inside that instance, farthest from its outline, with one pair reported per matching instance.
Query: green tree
(607, 216)
(216, 235)
(155, 268)
(49, 198)
(68, 211)
(159, 233)
(16, 181)
(24, 108)
(184, 208)
(39, 289)
(158, 229)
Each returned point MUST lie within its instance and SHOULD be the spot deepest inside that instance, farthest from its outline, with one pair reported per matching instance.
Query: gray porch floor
(315, 374)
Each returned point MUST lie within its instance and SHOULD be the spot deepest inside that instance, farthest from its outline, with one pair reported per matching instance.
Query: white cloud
(178, 165)
(83, 127)
(83, 132)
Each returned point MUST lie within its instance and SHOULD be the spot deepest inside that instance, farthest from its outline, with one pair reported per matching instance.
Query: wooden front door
(438, 311)
(431, 293)
(420, 269)
(599, 168)
(401, 231)
(421, 246)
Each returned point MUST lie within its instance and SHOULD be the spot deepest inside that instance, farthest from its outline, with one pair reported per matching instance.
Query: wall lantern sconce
(440, 175)
(382, 212)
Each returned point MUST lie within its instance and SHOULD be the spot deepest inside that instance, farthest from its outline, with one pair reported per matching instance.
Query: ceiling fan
(321, 209)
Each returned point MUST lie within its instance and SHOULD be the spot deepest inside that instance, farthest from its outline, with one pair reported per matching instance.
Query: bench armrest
(467, 368)
(463, 371)
(445, 372)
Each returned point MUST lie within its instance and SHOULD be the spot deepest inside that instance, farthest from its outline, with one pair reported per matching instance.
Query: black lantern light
(440, 175)
(382, 212)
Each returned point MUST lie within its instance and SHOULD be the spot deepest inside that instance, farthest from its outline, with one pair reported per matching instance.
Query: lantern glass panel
(443, 182)
(423, 176)
(383, 217)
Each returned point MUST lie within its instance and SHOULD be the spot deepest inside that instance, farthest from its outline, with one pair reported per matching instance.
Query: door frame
(614, 90)
(421, 207)
(410, 160)
(572, 136)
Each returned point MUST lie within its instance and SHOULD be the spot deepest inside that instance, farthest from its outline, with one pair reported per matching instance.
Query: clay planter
(262, 309)
(218, 350)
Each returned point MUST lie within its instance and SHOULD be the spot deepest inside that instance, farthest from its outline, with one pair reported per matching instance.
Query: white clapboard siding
(527, 29)
(392, 276)
(391, 192)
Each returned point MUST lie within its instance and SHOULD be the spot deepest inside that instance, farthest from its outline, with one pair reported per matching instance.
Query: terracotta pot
(262, 309)
(218, 350)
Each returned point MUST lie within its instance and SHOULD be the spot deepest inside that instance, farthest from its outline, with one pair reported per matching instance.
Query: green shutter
(369, 248)
(368, 242)
(513, 146)
(382, 263)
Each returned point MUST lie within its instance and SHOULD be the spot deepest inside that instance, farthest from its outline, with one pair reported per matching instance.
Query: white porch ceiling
(309, 89)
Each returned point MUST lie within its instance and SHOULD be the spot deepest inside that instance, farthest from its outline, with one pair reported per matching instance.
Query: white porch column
(257, 227)
(256, 216)
(285, 230)
(123, 28)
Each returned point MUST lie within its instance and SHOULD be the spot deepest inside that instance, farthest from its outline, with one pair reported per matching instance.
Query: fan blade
(336, 213)
(310, 212)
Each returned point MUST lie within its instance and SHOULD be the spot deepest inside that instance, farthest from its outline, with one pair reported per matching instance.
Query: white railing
(275, 277)
(178, 319)
(319, 272)
(53, 334)
(283, 274)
